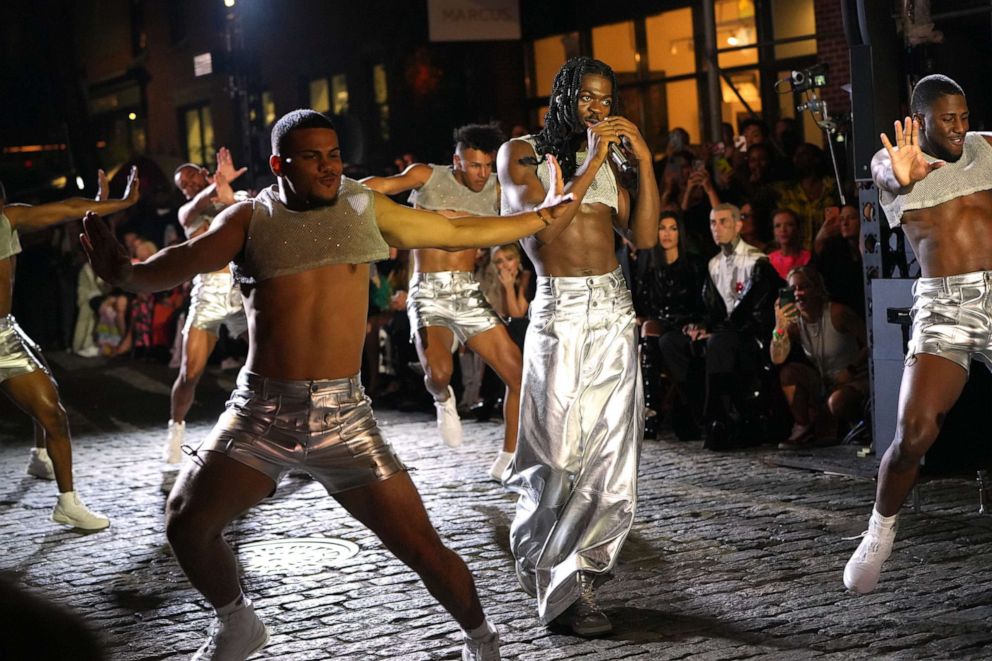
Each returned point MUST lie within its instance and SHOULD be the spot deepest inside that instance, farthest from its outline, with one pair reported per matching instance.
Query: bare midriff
(431, 260)
(584, 248)
(310, 325)
(953, 237)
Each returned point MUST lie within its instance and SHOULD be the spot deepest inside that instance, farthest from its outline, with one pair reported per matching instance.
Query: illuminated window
(200, 147)
(549, 55)
(794, 18)
(682, 105)
(320, 96)
(339, 87)
(671, 49)
(614, 44)
(747, 84)
(735, 27)
(268, 108)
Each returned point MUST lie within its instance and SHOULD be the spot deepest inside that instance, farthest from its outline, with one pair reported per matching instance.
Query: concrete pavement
(731, 556)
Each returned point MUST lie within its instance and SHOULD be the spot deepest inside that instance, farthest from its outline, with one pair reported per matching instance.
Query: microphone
(620, 159)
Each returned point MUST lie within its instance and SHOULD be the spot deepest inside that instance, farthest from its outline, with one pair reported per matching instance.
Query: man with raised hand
(24, 376)
(214, 300)
(445, 303)
(936, 182)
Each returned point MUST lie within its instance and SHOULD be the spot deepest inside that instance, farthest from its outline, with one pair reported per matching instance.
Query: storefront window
(747, 84)
(735, 27)
(614, 44)
(549, 55)
(671, 48)
(320, 95)
(794, 18)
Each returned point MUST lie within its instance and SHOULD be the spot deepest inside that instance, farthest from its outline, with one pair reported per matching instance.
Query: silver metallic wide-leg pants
(581, 425)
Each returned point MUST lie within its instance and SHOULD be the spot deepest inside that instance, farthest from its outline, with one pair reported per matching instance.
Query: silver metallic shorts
(216, 300)
(325, 428)
(18, 353)
(581, 425)
(450, 299)
(952, 318)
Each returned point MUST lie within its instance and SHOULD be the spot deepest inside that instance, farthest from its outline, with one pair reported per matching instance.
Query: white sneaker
(91, 351)
(71, 511)
(448, 422)
(499, 466)
(865, 566)
(234, 637)
(486, 649)
(40, 464)
(172, 453)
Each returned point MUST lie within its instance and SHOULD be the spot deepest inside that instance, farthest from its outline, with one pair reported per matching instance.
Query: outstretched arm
(896, 169)
(523, 190)
(26, 218)
(167, 268)
(413, 177)
(408, 228)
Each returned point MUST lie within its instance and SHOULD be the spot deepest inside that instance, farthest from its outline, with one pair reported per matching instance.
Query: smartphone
(698, 165)
(740, 142)
(785, 296)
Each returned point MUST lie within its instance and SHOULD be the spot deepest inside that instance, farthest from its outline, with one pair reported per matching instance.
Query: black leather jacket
(755, 313)
(670, 293)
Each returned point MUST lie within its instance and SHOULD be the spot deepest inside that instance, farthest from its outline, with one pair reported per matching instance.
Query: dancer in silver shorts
(298, 403)
(936, 183)
(445, 303)
(582, 410)
(323, 427)
(24, 376)
(214, 300)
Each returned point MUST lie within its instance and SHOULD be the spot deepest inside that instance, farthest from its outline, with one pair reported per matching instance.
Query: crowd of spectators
(709, 304)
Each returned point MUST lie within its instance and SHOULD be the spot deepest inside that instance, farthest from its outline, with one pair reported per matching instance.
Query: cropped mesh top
(10, 244)
(603, 188)
(969, 174)
(282, 242)
(443, 192)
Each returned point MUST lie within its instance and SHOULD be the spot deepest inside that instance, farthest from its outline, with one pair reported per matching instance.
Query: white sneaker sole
(58, 517)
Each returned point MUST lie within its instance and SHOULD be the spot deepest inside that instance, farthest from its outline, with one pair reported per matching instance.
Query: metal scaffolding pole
(714, 116)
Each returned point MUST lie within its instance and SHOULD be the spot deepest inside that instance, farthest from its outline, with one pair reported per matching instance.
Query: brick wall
(832, 48)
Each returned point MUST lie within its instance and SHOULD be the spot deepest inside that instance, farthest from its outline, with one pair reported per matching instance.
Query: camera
(807, 79)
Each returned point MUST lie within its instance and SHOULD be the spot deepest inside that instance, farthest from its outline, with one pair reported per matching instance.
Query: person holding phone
(832, 336)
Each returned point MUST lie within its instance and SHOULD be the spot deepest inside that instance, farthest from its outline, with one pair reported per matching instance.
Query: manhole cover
(300, 556)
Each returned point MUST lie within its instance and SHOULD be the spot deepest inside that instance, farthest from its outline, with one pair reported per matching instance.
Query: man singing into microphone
(582, 406)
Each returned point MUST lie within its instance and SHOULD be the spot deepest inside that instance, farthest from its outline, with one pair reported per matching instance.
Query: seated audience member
(811, 191)
(516, 289)
(668, 295)
(739, 295)
(838, 259)
(832, 336)
(749, 228)
(790, 253)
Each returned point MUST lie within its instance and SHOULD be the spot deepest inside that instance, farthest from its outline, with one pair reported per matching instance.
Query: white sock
(481, 632)
(883, 520)
(238, 603)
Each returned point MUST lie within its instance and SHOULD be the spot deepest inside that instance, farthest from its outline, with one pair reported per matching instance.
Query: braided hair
(563, 130)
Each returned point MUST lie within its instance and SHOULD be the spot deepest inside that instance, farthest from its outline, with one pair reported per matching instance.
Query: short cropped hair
(734, 210)
(484, 137)
(295, 120)
(930, 88)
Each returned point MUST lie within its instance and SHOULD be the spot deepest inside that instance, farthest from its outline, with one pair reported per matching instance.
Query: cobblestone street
(731, 555)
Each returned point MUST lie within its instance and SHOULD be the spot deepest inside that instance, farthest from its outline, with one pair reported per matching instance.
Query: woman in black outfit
(667, 296)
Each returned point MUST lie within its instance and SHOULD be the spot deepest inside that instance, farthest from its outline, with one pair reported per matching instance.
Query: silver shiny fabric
(325, 428)
(18, 353)
(215, 300)
(450, 299)
(952, 318)
(581, 425)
